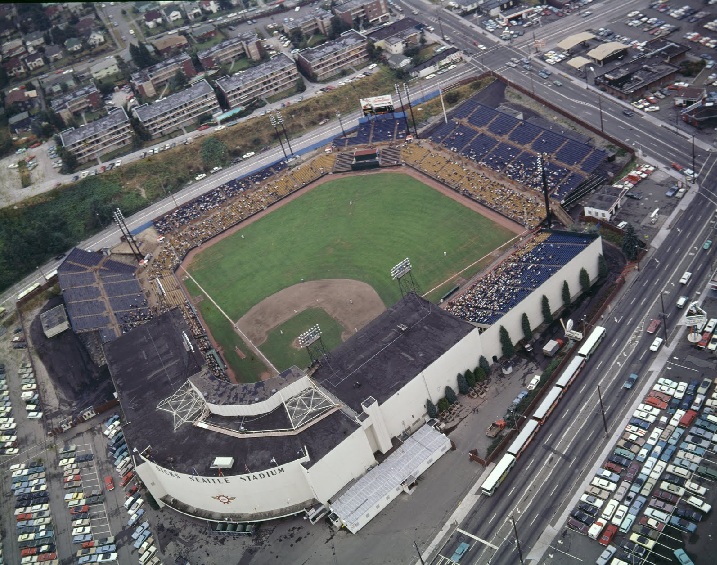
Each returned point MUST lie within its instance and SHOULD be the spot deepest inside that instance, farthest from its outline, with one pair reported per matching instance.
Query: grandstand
(101, 295)
(510, 146)
(382, 128)
(510, 282)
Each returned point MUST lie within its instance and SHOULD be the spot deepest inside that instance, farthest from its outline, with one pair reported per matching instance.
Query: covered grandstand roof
(101, 294)
(606, 49)
(390, 351)
(578, 62)
(575, 39)
(154, 361)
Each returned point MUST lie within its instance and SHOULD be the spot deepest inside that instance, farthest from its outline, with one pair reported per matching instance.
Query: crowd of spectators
(511, 281)
(465, 177)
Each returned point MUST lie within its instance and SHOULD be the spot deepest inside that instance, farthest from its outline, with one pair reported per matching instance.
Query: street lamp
(694, 171)
(280, 121)
(278, 135)
(338, 115)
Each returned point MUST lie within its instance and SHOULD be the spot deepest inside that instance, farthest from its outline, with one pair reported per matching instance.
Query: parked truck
(495, 428)
(552, 347)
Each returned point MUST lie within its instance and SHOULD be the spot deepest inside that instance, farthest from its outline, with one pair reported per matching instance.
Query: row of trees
(466, 381)
(507, 346)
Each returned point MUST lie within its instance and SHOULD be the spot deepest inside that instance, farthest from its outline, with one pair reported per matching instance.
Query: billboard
(377, 105)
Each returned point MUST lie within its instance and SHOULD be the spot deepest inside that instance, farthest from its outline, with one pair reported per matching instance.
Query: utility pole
(419, 553)
(664, 319)
(602, 410)
(338, 115)
(517, 541)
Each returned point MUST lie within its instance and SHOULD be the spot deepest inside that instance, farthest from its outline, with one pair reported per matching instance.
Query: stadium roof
(578, 62)
(606, 49)
(575, 39)
(100, 294)
(390, 351)
(153, 361)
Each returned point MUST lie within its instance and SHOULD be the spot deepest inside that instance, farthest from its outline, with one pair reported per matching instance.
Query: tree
(630, 245)
(300, 85)
(602, 267)
(179, 80)
(296, 36)
(506, 343)
(479, 374)
(463, 387)
(431, 409)
(527, 330)
(452, 97)
(338, 26)
(443, 405)
(584, 280)
(483, 364)
(214, 153)
(547, 312)
(566, 294)
(451, 395)
(470, 378)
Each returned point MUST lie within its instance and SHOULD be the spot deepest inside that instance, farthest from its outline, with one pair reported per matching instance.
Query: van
(596, 529)
(686, 277)
(682, 301)
(622, 225)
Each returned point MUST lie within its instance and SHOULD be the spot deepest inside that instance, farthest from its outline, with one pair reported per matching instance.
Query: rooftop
(394, 28)
(634, 75)
(252, 74)
(390, 351)
(65, 99)
(146, 112)
(604, 197)
(310, 16)
(115, 117)
(147, 74)
(247, 37)
(435, 59)
(346, 40)
(604, 50)
(575, 39)
(152, 362)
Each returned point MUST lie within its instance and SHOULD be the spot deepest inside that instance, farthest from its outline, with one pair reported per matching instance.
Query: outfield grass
(355, 227)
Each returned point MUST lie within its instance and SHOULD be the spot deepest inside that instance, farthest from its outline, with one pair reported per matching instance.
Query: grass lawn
(355, 227)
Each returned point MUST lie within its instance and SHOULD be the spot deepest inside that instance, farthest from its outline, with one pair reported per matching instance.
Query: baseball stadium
(295, 321)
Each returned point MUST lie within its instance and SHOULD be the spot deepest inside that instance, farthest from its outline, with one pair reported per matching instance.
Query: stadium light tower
(278, 135)
(410, 108)
(338, 115)
(402, 273)
(280, 121)
(312, 342)
(405, 114)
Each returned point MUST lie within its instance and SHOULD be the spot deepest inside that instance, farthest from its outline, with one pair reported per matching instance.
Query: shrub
(451, 395)
(566, 294)
(463, 387)
(527, 331)
(547, 313)
(483, 363)
(584, 280)
(431, 409)
(443, 405)
(470, 378)
(479, 374)
(506, 343)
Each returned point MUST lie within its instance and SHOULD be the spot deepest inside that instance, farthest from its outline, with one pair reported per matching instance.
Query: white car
(247, 155)
(603, 484)
(656, 344)
(200, 176)
(680, 390)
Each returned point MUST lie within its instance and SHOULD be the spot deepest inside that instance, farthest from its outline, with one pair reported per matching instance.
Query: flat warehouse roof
(576, 39)
(606, 49)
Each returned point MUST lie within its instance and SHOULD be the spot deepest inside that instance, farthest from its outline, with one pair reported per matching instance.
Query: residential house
(86, 25)
(14, 67)
(192, 10)
(20, 99)
(435, 63)
(96, 38)
(203, 32)
(245, 44)
(85, 98)
(268, 79)
(13, 48)
(19, 122)
(53, 53)
(209, 6)
(327, 60)
(58, 83)
(172, 14)
(73, 45)
(372, 11)
(35, 61)
(148, 82)
(104, 68)
(182, 108)
(99, 137)
(153, 19)
(170, 45)
(34, 40)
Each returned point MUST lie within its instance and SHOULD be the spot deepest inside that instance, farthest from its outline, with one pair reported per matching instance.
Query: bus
(591, 343)
(571, 372)
(548, 405)
(498, 474)
(523, 439)
(29, 290)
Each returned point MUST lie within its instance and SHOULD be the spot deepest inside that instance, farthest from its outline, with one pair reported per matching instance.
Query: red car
(79, 509)
(132, 490)
(127, 478)
(203, 127)
(677, 167)
(109, 483)
(28, 551)
(22, 517)
(88, 544)
(607, 535)
(35, 145)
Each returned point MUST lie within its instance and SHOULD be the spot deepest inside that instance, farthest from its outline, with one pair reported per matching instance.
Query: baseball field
(325, 258)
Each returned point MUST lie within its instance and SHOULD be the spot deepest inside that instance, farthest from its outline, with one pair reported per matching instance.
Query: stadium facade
(251, 452)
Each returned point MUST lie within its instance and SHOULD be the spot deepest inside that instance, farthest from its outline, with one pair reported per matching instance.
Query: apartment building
(311, 22)
(244, 45)
(85, 98)
(98, 137)
(177, 110)
(373, 11)
(148, 82)
(325, 61)
(267, 79)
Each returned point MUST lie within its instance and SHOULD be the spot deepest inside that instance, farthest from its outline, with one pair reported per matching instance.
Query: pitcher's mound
(351, 303)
